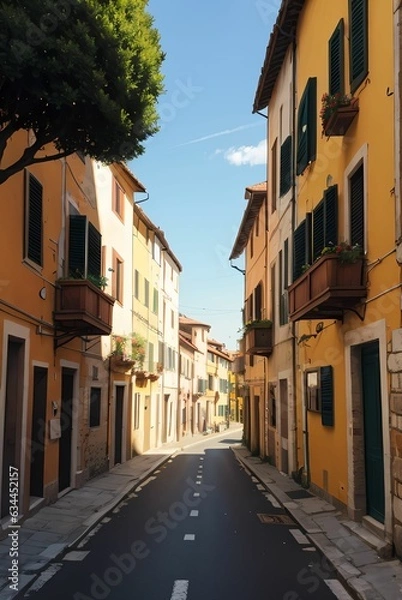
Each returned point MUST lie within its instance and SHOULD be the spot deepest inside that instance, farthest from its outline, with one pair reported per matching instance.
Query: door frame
(120, 384)
(356, 488)
(75, 406)
(19, 331)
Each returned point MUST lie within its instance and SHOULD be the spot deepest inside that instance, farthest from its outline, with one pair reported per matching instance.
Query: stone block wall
(395, 370)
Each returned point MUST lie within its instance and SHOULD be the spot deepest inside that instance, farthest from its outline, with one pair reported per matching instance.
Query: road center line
(194, 513)
(180, 589)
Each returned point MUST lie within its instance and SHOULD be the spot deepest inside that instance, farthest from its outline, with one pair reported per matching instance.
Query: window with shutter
(286, 166)
(336, 60)
(357, 207)
(318, 229)
(34, 220)
(299, 250)
(358, 43)
(84, 248)
(327, 396)
(258, 302)
(307, 126)
(274, 168)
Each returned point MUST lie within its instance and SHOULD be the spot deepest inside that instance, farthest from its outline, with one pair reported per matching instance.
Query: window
(146, 293)
(274, 185)
(117, 278)
(211, 382)
(356, 193)
(84, 248)
(258, 302)
(156, 251)
(172, 318)
(286, 166)
(136, 412)
(325, 221)
(151, 359)
(95, 406)
(221, 411)
(320, 393)
(223, 386)
(272, 406)
(257, 225)
(136, 284)
(299, 250)
(358, 44)
(307, 126)
(336, 60)
(118, 199)
(33, 220)
(155, 302)
(283, 298)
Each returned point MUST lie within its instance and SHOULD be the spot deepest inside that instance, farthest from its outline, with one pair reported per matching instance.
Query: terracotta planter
(121, 363)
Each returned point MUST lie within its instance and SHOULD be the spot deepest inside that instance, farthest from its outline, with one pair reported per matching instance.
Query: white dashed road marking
(337, 589)
(75, 555)
(180, 589)
(196, 494)
(310, 549)
(299, 536)
(189, 537)
(194, 513)
(44, 577)
(199, 476)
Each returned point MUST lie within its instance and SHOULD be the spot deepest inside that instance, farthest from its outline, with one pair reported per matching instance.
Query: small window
(95, 406)
(117, 279)
(136, 411)
(320, 393)
(274, 168)
(307, 126)
(118, 199)
(211, 383)
(146, 293)
(356, 194)
(358, 44)
(172, 319)
(136, 284)
(155, 302)
(34, 220)
(286, 166)
(312, 391)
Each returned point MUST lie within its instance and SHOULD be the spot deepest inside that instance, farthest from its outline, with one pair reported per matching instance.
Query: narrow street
(194, 530)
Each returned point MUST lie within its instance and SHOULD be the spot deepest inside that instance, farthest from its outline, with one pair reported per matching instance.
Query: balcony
(258, 337)
(327, 289)
(82, 308)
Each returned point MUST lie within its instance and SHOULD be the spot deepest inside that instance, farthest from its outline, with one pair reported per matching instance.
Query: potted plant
(337, 113)
(120, 358)
(345, 252)
(258, 324)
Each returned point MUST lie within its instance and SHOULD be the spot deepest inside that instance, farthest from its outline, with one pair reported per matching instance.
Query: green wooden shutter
(331, 215)
(318, 229)
(307, 126)
(327, 396)
(94, 251)
(308, 258)
(358, 45)
(357, 207)
(299, 250)
(34, 221)
(286, 166)
(336, 60)
(77, 246)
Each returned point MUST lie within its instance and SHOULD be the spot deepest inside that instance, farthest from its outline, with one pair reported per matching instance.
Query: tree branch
(28, 158)
(5, 135)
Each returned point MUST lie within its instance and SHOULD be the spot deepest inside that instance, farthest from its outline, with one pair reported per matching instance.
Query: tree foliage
(82, 75)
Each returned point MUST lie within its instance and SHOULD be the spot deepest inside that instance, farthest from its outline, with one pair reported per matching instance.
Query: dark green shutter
(357, 207)
(35, 220)
(308, 257)
(299, 250)
(286, 166)
(358, 45)
(307, 126)
(318, 229)
(331, 215)
(77, 246)
(286, 264)
(327, 396)
(336, 60)
(94, 251)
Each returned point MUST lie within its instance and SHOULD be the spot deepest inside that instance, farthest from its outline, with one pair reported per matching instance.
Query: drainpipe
(293, 324)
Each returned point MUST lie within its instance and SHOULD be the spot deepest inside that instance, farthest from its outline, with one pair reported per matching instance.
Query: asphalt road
(193, 531)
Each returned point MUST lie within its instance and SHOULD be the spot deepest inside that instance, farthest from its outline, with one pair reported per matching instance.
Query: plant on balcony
(98, 280)
(119, 346)
(138, 346)
(344, 251)
(258, 323)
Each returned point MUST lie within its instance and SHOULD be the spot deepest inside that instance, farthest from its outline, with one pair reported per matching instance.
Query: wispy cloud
(247, 155)
(219, 134)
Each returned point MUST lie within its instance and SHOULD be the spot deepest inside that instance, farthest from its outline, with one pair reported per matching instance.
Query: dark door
(118, 424)
(12, 416)
(66, 426)
(373, 444)
(283, 389)
(38, 431)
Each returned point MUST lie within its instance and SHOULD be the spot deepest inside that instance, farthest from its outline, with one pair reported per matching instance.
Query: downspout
(268, 295)
(293, 323)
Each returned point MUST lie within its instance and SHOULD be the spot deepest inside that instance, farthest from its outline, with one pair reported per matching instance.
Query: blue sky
(210, 146)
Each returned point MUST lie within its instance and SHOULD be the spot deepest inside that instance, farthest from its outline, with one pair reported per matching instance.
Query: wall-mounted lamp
(55, 407)
(42, 293)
